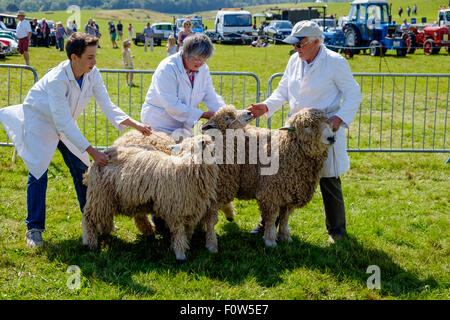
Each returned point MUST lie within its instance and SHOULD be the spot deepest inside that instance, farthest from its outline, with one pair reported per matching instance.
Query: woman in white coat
(320, 78)
(180, 83)
(47, 120)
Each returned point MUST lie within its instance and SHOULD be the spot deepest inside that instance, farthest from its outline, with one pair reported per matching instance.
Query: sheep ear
(209, 125)
(288, 128)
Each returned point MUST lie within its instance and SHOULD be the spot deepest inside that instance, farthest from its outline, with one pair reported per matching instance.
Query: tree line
(166, 6)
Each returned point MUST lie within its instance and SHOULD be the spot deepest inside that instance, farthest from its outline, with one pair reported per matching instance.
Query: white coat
(323, 86)
(49, 113)
(171, 102)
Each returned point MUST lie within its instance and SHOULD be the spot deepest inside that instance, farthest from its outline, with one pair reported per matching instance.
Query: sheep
(137, 180)
(227, 117)
(301, 148)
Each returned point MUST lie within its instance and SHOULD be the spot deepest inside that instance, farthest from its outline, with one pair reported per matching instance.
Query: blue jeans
(37, 189)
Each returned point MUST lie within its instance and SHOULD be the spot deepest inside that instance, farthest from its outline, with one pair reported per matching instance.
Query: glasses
(299, 45)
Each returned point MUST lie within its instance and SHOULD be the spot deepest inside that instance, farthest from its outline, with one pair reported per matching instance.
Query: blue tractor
(368, 26)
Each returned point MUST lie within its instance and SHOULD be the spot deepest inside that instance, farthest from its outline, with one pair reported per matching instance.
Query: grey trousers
(333, 202)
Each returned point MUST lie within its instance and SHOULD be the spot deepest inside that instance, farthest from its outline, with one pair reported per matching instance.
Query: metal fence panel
(398, 113)
(15, 81)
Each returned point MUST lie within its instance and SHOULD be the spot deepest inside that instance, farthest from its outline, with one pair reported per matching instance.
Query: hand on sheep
(335, 122)
(207, 115)
(146, 130)
(99, 157)
(258, 109)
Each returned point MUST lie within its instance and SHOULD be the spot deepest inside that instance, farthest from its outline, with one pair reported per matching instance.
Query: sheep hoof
(181, 261)
(271, 244)
(212, 249)
(284, 238)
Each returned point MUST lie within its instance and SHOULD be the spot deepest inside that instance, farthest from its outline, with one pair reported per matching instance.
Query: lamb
(137, 180)
(226, 117)
(302, 148)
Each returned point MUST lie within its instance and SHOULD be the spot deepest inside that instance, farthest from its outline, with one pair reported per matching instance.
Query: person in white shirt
(23, 33)
(180, 83)
(320, 78)
(46, 121)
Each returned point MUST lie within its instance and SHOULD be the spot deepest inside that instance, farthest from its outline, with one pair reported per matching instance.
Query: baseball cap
(302, 30)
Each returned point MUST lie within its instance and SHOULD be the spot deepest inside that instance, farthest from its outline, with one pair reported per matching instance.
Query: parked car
(140, 39)
(163, 28)
(329, 23)
(2, 51)
(10, 46)
(277, 30)
(4, 28)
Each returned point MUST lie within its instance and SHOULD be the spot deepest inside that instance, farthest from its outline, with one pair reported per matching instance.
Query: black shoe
(258, 230)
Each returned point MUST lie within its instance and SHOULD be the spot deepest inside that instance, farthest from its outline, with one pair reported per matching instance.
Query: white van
(231, 23)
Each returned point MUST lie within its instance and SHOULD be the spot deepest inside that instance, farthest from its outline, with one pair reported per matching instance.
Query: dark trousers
(37, 189)
(333, 202)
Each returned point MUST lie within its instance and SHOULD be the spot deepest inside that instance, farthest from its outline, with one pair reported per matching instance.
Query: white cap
(302, 30)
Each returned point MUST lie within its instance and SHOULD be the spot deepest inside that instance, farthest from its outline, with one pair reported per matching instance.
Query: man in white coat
(320, 78)
(180, 83)
(47, 120)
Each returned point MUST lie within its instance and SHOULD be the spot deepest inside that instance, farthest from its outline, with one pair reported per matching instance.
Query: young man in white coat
(46, 121)
(320, 78)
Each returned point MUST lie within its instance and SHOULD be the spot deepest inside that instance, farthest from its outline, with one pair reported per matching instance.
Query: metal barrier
(398, 113)
(234, 87)
(17, 85)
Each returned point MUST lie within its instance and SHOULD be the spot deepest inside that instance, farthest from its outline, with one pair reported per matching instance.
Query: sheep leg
(269, 214)
(284, 234)
(228, 211)
(180, 242)
(211, 236)
(144, 224)
(90, 237)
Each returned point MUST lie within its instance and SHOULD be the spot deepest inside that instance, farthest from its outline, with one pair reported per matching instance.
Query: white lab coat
(49, 112)
(327, 82)
(171, 102)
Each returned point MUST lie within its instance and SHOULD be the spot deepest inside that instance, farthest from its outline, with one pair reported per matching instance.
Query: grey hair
(317, 38)
(197, 45)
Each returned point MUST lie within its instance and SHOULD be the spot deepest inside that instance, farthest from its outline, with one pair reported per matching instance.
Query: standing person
(320, 78)
(408, 11)
(400, 11)
(97, 31)
(130, 32)
(113, 34)
(127, 59)
(23, 33)
(171, 45)
(180, 83)
(119, 31)
(148, 34)
(415, 9)
(74, 26)
(45, 29)
(187, 25)
(59, 35)
(46, 121)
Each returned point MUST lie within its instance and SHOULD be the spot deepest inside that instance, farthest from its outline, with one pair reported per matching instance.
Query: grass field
(397, 215)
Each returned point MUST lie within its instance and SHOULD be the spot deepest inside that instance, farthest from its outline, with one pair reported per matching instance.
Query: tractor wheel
(374, 48)
(401, 52)
(352, 38)
(410, 39)
(428, 47)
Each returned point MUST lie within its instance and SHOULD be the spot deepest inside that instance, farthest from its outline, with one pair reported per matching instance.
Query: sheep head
(311, 130)
(228, 117)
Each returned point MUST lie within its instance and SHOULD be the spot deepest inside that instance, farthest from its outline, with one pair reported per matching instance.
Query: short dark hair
(77, 43)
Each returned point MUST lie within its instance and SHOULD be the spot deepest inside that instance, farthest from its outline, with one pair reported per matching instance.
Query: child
(171, 46)
(128, 61)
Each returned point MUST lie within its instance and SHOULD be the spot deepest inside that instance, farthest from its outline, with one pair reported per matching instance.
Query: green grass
(397, 211)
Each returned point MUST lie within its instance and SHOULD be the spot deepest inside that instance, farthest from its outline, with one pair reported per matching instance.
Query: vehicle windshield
(237, 20)
(196, 24)
(283, 25)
